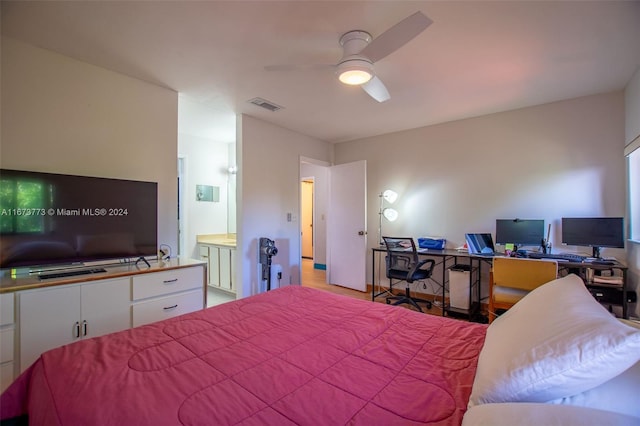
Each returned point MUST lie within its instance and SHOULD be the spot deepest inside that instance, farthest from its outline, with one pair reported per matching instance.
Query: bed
(296, 355)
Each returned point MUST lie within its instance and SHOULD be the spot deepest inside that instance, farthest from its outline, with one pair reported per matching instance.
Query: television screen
(593, 231)
(522, 232)
(48, 218)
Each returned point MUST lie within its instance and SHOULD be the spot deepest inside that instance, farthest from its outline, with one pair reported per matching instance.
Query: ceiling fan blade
(300, 67)
(376, 89)
(396, 37)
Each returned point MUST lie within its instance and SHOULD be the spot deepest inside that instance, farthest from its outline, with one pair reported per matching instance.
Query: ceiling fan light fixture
(355, 72)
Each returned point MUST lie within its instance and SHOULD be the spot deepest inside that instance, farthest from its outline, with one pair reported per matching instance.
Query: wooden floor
(316, 278)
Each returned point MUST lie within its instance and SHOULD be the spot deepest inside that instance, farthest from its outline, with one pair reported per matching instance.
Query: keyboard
(71, 273)
(568, 257)
(603, 262)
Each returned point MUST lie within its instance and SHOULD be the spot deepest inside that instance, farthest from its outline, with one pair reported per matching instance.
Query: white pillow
(619, 394)
(556, 342)
(526, 413)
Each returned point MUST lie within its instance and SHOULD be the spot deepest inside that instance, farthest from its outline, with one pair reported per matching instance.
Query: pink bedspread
(290, 356)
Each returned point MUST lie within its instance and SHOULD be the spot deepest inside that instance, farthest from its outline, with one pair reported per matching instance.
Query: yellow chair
(512, 278)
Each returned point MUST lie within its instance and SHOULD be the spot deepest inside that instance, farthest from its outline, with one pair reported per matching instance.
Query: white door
(105, 307)
(54, 317)
(347, 226)
(48, 318)
(214, 266)
(225, 267)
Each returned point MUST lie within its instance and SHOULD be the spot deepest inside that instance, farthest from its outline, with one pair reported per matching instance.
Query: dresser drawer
(166, 307)
(6, 344)
(6, 375)
(6, 309)
(167, 282)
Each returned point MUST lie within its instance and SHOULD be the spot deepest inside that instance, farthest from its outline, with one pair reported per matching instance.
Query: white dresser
(7, 339)
(40, 315)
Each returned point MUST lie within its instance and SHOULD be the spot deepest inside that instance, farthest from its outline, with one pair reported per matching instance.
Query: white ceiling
(478, 57)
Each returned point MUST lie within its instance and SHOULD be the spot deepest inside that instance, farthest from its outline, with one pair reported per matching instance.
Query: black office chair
(403, 264)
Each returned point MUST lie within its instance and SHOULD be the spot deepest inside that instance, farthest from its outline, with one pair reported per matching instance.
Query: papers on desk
(614, 281)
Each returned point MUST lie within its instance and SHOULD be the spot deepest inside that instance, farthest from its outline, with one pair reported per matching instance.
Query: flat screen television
(48, 219)
(593, 232)
(520, 232)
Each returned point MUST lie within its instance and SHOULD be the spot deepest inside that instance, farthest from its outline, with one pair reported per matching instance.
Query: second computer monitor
(520, 232)
(593, 232)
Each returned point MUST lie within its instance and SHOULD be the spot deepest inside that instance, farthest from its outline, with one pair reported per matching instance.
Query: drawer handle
(84, 327)
(170, 281)
(170, 307)
(77, 329)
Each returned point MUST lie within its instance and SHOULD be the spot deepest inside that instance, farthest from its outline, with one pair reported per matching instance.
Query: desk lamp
(390, 214)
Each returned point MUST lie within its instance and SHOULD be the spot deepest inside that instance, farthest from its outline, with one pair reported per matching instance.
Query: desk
(616, 294)
(446, 259)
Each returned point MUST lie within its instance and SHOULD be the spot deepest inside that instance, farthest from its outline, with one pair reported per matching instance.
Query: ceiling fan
(361, 52)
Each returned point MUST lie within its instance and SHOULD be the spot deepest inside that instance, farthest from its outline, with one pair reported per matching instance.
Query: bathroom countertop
(226, 240)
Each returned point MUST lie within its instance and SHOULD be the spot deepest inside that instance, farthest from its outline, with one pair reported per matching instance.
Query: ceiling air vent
(263, 103)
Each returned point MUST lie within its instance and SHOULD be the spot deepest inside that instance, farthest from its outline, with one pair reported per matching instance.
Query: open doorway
(338, 226)
(341, 258)
(306, 221)
(311, 276)
(313, 184)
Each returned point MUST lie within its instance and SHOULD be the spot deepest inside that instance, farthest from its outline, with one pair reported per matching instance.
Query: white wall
(269, 188)
(543, 162)
(632, 132)
(206, 163)
(320, 175)
(64, 116)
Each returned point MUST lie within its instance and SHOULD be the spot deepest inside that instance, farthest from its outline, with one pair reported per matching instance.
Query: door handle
(361, 232)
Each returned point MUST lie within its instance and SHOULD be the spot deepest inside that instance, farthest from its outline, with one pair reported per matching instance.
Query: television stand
(71, 273)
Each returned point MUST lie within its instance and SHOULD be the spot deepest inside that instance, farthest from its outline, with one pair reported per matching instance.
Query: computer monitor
(593, 232)
(520, 232)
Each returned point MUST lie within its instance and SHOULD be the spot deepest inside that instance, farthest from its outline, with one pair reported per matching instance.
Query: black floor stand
(406, 298)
